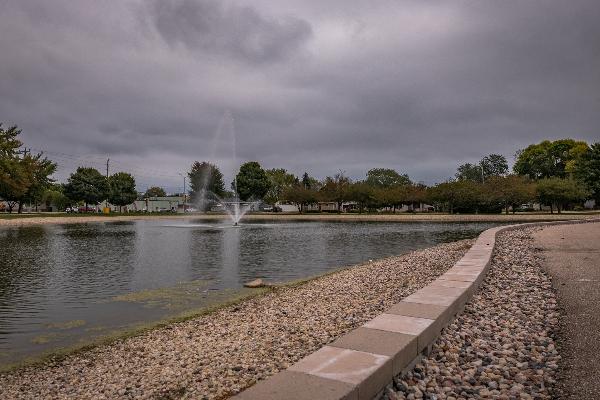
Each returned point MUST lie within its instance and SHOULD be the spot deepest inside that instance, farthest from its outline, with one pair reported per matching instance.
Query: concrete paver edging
(358, 365)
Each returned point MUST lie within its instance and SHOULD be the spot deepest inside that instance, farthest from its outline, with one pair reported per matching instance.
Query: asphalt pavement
(571, 256)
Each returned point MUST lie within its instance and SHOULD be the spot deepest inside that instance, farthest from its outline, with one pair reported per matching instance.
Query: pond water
(64, 285)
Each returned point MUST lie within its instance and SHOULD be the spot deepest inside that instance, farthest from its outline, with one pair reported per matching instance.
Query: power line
(145, 177)
(75, 160)
(86, 160)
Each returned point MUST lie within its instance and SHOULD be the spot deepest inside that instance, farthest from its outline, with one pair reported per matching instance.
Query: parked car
(191, 209)
(71, 210)
(88, 209)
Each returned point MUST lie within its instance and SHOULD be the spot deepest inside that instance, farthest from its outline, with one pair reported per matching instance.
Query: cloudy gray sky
(322, 86)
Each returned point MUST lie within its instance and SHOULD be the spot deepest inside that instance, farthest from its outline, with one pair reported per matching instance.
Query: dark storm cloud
(317, 86)
(239, 31)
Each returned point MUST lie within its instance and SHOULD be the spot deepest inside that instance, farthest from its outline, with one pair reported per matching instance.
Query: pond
(66, 285)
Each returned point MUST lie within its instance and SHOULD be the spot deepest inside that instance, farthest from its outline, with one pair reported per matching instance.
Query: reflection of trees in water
(206, 253)
(231, 251)
(218, 253)
(93, 261)
(163, 256)
(24, 273)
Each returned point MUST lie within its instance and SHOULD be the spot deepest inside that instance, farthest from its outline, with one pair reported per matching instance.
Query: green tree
(87, 185)
(559, 192)
(21, 178)
(13, 183)
(336, 189)
(363, 194)
(310, 183)
(280, 180)
(38, 170)
(385, 178)
(252, 181)
(494, 165)
(54, 196)
(306, 180)
(415, 194)
(155, 191)
(456, 196)
(205, 178)
(9, 144)
(121, 189)
(383, 198)
(488, 166)
(511, 190)
(549, 158)
(301, 196)
(392, 197)
(587, 171)
(469, 172)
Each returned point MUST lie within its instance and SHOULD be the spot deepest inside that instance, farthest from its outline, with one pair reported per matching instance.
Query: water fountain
(234, 208)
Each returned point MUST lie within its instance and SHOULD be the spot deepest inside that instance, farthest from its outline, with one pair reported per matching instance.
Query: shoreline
(60, 353)
(37, 219)
(282, 325)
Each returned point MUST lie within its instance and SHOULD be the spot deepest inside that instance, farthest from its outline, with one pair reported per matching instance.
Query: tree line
(26, 178)
(560, 174)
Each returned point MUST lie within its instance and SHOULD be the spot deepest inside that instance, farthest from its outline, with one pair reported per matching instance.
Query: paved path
(572, 257)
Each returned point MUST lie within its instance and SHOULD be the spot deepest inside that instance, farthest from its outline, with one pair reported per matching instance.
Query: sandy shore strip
(501, 346)
(220, 354)
(405, 217)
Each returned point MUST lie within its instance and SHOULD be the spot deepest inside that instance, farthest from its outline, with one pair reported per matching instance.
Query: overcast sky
(317, 86)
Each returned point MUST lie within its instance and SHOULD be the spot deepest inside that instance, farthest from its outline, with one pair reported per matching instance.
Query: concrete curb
(358, 365)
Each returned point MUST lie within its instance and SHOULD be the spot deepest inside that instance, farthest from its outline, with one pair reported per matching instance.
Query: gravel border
(220, 354)
(502, 345)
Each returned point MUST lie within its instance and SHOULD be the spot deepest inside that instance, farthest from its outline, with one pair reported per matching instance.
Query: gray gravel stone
(502, 345)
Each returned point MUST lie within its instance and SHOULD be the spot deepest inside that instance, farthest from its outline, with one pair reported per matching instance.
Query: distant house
(229, 204)
(328, 206)
(590, 204)
(156, 204)
(29, 207)
(332, 206)
(285, 206)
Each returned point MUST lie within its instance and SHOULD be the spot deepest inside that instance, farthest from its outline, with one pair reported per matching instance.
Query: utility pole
(107, 163)
(482, 174)
(25, 151)
(184, 192)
